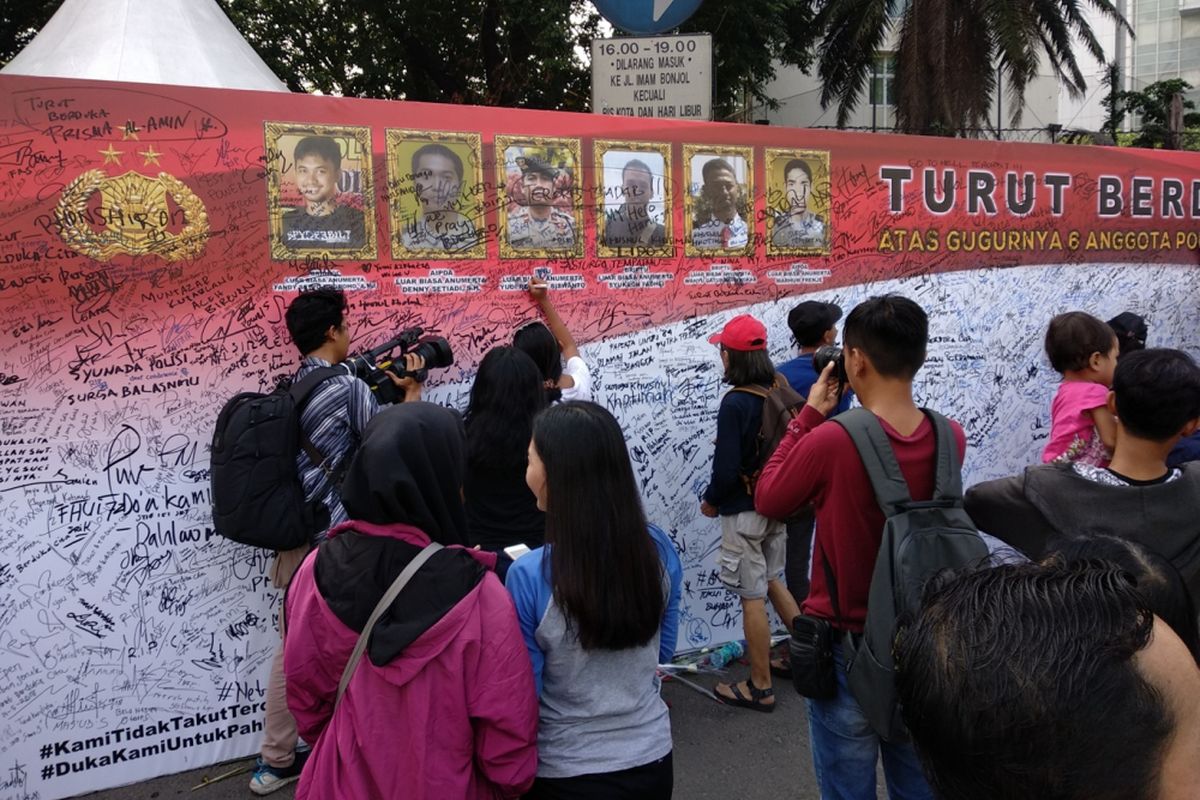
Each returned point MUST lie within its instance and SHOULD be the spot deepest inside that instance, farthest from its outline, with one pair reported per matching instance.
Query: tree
(749, 38)
(20, 22)
(1152, 106)
(489, 52)
(496, 52)
(950, 54)
(521, 53)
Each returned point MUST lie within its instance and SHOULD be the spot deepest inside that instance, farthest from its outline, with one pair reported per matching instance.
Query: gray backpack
(920, 538)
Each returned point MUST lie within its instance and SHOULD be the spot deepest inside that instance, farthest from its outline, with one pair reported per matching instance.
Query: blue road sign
(647, 16)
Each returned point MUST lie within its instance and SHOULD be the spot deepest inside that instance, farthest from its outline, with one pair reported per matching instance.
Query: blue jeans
(845, 750)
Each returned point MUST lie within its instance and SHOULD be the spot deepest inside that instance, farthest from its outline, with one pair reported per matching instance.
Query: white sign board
(653, 76)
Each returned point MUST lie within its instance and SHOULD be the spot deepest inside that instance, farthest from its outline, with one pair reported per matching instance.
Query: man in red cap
(753, 548)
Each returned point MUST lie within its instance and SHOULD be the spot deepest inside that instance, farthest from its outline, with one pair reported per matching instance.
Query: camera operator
(334, 418)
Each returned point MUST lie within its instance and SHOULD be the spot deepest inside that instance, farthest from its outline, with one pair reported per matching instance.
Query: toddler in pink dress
(1083, 350)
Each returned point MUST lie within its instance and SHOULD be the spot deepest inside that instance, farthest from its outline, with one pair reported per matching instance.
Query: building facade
(1166, 43)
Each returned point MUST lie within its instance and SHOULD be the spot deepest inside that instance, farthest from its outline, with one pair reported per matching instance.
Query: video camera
(367, 367)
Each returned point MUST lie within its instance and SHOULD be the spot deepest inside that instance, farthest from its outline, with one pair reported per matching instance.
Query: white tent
(175, 42)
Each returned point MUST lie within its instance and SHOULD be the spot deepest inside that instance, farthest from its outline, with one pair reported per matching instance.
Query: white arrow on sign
(660, 8)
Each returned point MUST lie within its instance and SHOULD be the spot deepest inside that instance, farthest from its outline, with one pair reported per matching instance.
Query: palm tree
(951, 54)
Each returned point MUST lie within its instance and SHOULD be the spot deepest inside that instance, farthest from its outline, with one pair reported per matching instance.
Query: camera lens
(825, 354)
(436, 352)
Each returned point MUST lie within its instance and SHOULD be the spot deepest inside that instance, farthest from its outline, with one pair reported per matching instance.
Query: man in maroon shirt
(885, 339)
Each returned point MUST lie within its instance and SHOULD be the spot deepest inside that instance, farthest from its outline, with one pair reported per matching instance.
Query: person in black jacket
(1156, 400)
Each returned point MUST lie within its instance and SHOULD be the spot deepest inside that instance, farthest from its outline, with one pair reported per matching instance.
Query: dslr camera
(834, 353)
(372, 366)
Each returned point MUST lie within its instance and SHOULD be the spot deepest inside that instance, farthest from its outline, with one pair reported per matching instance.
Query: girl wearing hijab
(442, 703)
(599, 609)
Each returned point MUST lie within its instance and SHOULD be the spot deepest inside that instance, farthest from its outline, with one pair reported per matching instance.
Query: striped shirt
(337, 412)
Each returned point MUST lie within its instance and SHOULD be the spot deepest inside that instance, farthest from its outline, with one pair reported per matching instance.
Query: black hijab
(410, 468)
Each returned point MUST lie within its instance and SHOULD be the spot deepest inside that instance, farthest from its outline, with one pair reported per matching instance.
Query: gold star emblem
(130, 131)
(150, 156)
(112, 155)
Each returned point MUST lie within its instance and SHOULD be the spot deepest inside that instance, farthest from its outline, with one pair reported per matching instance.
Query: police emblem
(134, 216)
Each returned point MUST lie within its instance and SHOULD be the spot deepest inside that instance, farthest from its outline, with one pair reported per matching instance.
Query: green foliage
(749, 38)
(520, 53)
(19, 23)
(493, 52)
(489, 52)
(950, 53)
(1152, 106)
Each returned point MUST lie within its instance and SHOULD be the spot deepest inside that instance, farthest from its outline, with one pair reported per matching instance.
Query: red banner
(152, 237)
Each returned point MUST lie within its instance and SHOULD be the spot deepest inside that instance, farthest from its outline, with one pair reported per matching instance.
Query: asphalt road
(721, 753)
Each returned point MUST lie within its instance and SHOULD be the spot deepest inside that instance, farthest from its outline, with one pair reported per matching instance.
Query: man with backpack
(333, 415)
(885, 340)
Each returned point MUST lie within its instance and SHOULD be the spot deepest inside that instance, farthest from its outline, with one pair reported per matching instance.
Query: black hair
(1073, 337)
(800, 164)
(715, 164)
(321, 146)
(1157, 392)
(312, 314)
(1013, 679)
(748, 367)
(1158, 581)
(635, 163)
(536, 340)
(1131, 332)
(604, 566)
(505, 397)
(892, 331)
(435, 149)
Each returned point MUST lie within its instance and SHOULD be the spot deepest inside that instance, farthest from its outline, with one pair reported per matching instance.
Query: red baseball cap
(743, 332)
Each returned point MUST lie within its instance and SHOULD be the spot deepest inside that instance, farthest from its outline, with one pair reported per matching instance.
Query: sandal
(754, 701)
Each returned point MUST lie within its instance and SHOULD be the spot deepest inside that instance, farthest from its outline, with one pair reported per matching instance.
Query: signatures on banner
(120, 607)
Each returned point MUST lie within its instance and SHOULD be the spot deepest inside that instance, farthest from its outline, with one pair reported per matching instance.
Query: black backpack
(781, 404)
(257, 494)
(920, 538)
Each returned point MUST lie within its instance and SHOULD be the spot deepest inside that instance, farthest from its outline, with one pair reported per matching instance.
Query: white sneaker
(267, 779)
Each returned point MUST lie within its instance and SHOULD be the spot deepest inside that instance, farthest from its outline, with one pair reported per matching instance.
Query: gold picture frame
(657, 157)
(292, 236)
(460, 232)
(811, 232)
(709, 233)
(521, 235)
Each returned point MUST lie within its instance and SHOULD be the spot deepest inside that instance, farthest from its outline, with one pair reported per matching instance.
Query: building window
(883, 80)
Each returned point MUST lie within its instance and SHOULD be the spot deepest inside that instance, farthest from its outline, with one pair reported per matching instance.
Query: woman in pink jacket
(442, 704)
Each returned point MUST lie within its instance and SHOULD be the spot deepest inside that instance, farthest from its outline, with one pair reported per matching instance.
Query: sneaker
(267, 779)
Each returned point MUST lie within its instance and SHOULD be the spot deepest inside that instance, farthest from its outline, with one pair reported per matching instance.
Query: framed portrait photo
(719, 216)
(540, 202)
(633, 203)
(435, 195)
(320, 191)
(798, 202)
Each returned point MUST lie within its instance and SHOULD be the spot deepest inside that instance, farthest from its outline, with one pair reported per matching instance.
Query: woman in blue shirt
(599, 608)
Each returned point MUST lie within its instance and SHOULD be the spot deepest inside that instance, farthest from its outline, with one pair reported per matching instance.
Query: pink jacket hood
(441, 706)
